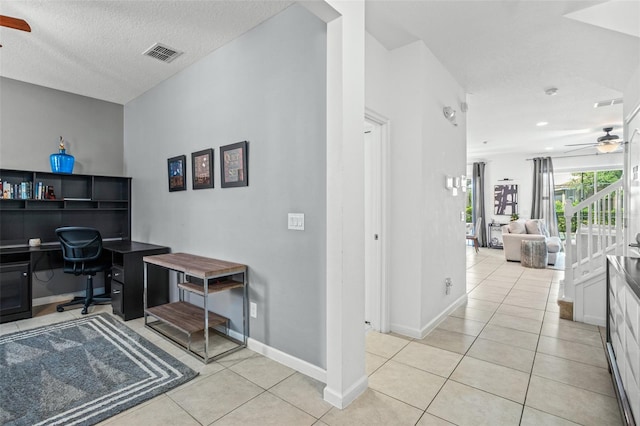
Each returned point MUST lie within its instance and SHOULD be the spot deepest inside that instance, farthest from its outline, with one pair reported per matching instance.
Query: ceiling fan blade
(15, 23)
(576, 149)
(582, 144)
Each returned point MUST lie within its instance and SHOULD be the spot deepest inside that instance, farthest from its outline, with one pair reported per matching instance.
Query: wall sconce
(448, 183)
(450, 114)
(453, 183)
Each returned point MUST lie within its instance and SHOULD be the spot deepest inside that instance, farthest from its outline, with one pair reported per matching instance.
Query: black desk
(125, 282)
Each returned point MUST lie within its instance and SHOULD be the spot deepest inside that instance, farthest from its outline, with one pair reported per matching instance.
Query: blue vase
(62, 162)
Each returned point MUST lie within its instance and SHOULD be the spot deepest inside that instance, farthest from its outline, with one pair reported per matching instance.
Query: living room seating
(528, 229)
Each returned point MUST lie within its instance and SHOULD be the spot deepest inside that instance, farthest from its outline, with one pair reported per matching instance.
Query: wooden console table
(200, 276)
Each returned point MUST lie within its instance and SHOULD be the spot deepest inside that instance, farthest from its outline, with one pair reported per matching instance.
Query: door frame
(385, 147)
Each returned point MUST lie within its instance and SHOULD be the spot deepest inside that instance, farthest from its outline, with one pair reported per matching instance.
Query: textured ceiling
(505, 53)
(94, 48)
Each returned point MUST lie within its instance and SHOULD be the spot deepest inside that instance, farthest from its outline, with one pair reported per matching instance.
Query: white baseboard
(290, 361)
(589, 319)
(57, 298)
(422, 332)
(443, 315)
(342, 400)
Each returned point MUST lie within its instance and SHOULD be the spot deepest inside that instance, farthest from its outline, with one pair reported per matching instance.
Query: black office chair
(81, 250)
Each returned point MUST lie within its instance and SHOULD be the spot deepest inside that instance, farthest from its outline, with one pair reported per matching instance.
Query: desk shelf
(212, 287)
(185, 317)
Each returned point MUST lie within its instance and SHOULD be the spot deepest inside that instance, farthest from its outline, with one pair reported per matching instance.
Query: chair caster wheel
(59, 309)
(84, 311)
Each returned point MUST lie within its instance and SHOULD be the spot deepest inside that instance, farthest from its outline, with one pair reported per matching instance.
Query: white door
(373, 224)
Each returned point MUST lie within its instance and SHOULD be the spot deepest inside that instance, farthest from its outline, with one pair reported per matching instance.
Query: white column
(346, 377)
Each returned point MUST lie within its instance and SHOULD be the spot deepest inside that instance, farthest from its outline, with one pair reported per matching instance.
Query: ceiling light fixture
(607, 143)
(552, 91)
(542, 123)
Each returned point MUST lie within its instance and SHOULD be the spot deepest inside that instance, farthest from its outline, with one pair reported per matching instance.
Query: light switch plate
(296, 221)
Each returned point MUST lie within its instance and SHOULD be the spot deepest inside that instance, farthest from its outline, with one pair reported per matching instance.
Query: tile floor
(505, 358)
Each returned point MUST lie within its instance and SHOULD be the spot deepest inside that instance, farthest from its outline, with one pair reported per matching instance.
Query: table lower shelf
(183, 324)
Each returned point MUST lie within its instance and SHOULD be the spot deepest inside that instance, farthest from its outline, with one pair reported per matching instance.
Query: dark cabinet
(29, 211)
(15, 291)
(127, 278)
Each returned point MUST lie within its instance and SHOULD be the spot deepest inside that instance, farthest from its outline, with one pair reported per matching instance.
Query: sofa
(528, 229)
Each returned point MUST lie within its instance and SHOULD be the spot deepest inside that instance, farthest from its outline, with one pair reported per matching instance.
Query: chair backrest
(478, 225)
(79, 244)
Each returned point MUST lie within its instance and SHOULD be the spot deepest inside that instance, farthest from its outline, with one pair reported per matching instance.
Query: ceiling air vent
(162, 53)
(608, 102)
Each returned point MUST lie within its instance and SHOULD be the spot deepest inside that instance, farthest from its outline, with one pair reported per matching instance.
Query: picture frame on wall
(234, 170)
(202, 169)
(176, 172)
(505, 199)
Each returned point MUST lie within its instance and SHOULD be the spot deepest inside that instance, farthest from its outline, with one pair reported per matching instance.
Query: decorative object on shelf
(62, 162)
(515, 216)
(202, 169)
(234, 170)
(505, 199)
(176, 170)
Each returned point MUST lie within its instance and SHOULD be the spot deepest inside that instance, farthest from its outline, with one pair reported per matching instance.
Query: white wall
(267, 87)
(410, 87)
(632, 115)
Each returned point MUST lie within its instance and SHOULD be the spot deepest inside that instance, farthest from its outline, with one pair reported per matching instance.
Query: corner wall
(267, 87)
(410, 87)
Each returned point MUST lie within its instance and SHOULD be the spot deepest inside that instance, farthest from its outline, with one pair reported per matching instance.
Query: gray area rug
(81, 372)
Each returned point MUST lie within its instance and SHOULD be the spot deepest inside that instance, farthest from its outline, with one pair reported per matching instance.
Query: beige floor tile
(553, 306)
(464, 405)
(266, 409)
(571, 403)
(407, 384)
(372, 362)
(595, 379)
(496, 379)
(448, 340)
(533, 417)
(373, 408)
(8, 327)
(501, 354)
(531, 295)
(528, 281)
(431, 420)
(517, 323)
(428, 358)
(486, 296)
(509, 336)
(159, 411)
(214, 396)
(574, 351)
(197, 365)
(525, 302)
(519, 311)
(489, 287)
(262, 371)
(482, 305)
(461, 325)
(384, 345)
(236, 357)
(554, 318)
(531, 289)
(472, 314)
(304, 393)
(579, 335)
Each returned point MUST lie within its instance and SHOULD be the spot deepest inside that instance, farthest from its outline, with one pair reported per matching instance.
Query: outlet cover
(253, 307)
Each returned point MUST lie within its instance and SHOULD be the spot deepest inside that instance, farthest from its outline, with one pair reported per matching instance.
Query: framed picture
(234, 170)
(505, 199)
(202, 169)
(176, 169)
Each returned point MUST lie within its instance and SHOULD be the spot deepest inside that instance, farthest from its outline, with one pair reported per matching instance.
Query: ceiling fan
(605, 144)
(15, 23)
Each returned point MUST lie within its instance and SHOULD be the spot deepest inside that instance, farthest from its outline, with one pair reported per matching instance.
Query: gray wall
(267, 87)
(32, 119)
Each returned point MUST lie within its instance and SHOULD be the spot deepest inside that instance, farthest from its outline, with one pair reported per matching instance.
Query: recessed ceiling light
(549, 148)
(542, 123)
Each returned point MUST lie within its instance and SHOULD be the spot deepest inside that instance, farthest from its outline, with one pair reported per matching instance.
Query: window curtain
(477, 189)
(543, 205)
